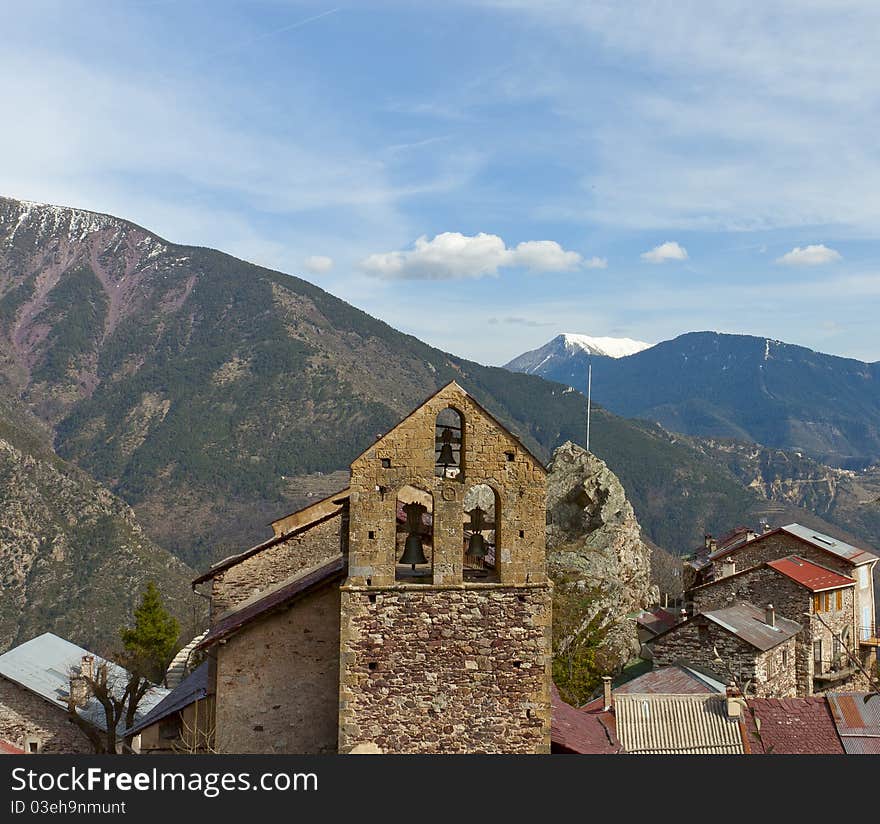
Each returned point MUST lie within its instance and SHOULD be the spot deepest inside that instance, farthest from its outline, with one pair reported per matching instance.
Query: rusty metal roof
(677, 725)
(673, 680)
(857, 721)
(302, 583)
(749, 623)
(579, 731)
(791, 726)
(814, 577)
(9, 749)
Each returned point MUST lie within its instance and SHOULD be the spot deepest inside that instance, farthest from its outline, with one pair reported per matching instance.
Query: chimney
(770, 615)
(606, 691)
(734, 701)
(728, 567)
(79, 692)
(707, 541)
(751, 535)
(87, 666)
(682, 614)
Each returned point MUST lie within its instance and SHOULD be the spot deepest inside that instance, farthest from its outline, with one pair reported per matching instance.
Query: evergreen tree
(151, 642)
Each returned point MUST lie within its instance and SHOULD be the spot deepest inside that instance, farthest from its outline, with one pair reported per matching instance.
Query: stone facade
(772, 673)
(270, 566)
(448, 665)
(277, 682)
(27, 719)
(761, 585)
(453, 670)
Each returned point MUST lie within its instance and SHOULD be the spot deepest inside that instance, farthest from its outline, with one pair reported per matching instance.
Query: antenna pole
(589, 397)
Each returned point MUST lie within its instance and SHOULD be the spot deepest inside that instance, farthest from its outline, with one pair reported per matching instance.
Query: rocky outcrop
(594, 544)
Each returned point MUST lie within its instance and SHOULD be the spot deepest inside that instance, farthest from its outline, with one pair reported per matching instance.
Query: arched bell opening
(482, 510)
(448, 444)
(414, 536)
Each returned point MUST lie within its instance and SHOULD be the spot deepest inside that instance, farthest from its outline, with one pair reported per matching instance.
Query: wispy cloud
(813, 255)
(318, 264)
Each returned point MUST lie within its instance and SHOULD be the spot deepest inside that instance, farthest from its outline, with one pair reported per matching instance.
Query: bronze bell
(412, 552)
(476, 546)
(446, 457)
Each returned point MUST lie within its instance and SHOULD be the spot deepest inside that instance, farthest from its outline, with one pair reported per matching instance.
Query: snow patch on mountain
(608, 347)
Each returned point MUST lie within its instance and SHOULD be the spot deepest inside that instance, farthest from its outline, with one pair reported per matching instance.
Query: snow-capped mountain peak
(608, 347)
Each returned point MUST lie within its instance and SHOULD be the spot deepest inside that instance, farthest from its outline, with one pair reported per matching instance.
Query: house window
(835, 647)
(817, 656)
(784, 658)
(839, 599)
(32, 745)
(817, 602)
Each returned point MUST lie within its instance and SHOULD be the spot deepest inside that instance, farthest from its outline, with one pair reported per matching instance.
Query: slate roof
(43, 664)
(302, 583)
(193, 688)
(579, 731)
(791, 726)
(820, 540)
(812, 576)
(677, 725)
(748, 622)
(857, 721)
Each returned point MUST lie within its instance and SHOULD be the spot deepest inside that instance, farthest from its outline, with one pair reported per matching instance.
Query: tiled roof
(300, 584)
(193, 688)
(43, 665)
(748, 622)
(579, 731)
(673, 680)
(814, 577)
(791, 726)
(677, 725)
(9, 749)
(857, 721)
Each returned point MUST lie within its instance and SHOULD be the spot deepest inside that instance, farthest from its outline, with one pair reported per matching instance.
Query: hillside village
(412, 611)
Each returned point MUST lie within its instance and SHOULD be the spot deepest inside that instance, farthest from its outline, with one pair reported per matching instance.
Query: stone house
(818, 598)
(39, 681)
(410, 612)
(740, 642)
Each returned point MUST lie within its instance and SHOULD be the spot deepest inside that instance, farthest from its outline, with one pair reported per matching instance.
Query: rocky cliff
(594, 545)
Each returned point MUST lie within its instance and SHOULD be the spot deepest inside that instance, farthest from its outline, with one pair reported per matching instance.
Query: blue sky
(482, 175)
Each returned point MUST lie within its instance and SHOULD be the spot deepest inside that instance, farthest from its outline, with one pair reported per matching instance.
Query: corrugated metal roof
(857, 721)
(677, 725)
(43, 665)
(829, 544)
(748, 622)
(193, 688)
(814, 577)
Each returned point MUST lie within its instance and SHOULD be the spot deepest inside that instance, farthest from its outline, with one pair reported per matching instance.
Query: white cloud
(665, 251)
(452, 255)
(318, 264)
(813, 255)
(596, 263)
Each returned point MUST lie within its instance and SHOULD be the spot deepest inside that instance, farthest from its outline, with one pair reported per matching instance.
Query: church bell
(412, 551)
(446, 458)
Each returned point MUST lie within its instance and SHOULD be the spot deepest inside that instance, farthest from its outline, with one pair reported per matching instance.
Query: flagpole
(589, 397)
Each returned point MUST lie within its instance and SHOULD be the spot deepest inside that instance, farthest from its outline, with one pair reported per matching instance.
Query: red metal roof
(857, 720)
(9, 749)
(791, 726)
(814, 577)
(579, 731)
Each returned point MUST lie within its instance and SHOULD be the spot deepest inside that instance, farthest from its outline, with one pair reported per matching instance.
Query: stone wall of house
(277, 687)
(773, 547)
(406, 457)
(446, 669)
(277, 563)
(696, 642)
(26, 717)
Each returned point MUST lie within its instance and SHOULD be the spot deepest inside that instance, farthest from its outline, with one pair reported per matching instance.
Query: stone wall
(696, 641)
(27, 717)
(446, 670)
(277, 686)
(277, 563)
(405, 457)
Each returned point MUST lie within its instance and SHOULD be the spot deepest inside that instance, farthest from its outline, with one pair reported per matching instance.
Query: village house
(40, 681)
(741, 642)
(821, 600)
(410, 612)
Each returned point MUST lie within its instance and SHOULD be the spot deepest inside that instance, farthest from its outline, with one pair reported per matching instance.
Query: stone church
(410, 612)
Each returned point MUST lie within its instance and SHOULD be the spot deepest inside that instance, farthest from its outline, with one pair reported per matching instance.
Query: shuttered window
(839, 596)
